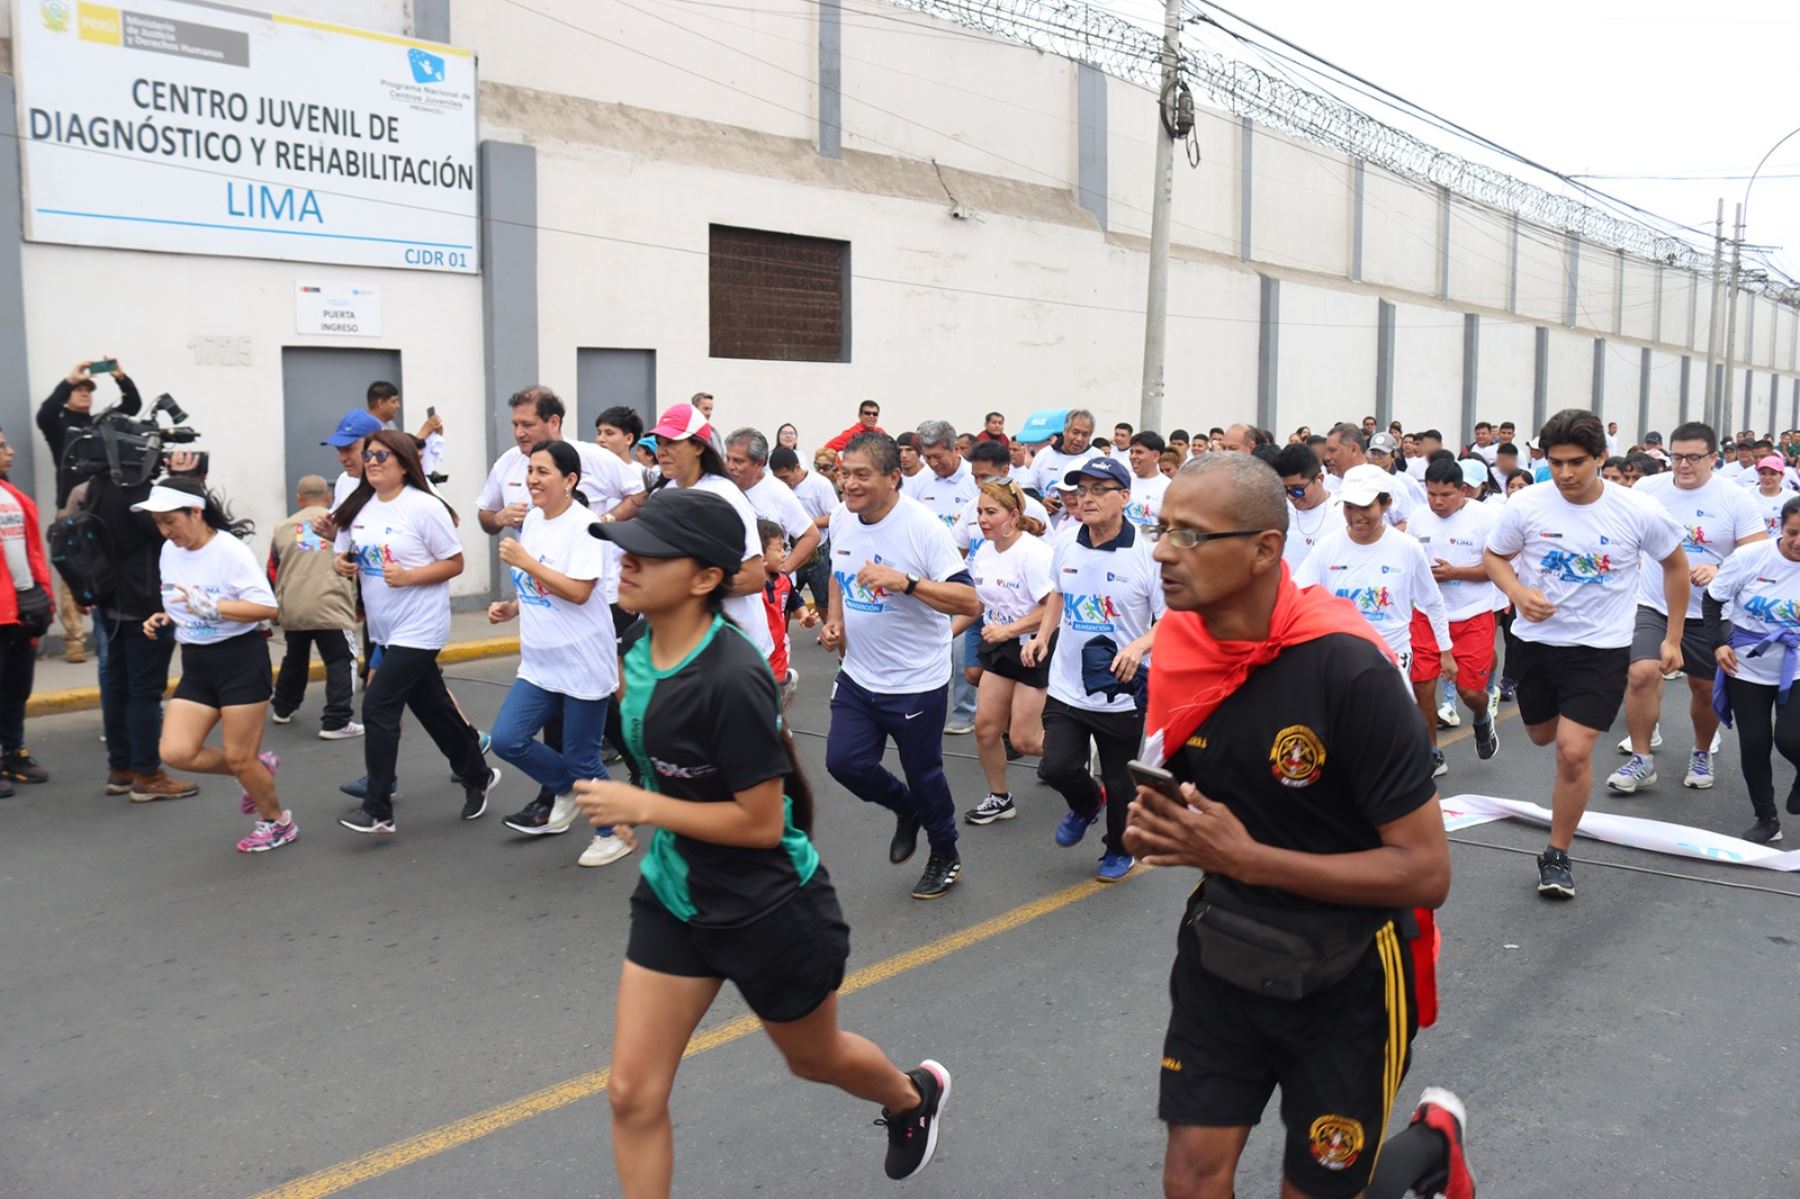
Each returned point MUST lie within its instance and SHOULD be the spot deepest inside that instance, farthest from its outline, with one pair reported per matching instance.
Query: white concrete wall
(1428, 361)
(1620, 396)
(1665, 392)
(1505, 370)
(1400, 233)
(1480, 255)
(1301, 211)
(1571, 370)
(1327, 371)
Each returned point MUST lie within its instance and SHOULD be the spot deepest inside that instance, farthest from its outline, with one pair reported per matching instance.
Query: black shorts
(226, 674)
(1578, 682)
(1338, 1056)
(1003, 659)
(784, 964)
(1696, 651)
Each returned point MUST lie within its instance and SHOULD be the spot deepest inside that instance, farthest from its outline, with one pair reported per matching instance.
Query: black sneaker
(360, 821)
(1556, 880)
(906, 839)
(534, 818)
(1012, 755)
(21, 767)
(941, 872)
(475, 798)
(1487, 739)
(913, 1136)
(1766, 831)
(1508, 689)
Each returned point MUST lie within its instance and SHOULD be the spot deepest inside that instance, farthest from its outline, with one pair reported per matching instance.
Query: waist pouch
(1278, 954)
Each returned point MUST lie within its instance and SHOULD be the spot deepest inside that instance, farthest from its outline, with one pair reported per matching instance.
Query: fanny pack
(35, 611)
(1275, 953)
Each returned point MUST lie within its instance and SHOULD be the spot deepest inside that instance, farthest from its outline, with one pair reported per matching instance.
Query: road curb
(82, 699)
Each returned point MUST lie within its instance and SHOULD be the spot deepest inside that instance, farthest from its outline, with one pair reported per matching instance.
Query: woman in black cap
(732, 887)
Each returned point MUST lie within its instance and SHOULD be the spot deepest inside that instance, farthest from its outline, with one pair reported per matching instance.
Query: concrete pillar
(17, 411)
(1643, 417)
(1268, 350)
(1471, 374)
(1090, 150)
(1443, 246)
(1687, 371)
(1356, 220)
(509, 291)
(1384, 363)
(1512, 267)
(1247, 145)
(1597, 393)
(831, 79)
(431, 20)
(1572, 273)
(1540, 380)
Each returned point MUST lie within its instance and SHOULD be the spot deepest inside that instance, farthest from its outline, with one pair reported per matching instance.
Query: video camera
(130, 449)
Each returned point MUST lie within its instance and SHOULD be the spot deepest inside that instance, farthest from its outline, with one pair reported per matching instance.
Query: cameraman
(70, 409)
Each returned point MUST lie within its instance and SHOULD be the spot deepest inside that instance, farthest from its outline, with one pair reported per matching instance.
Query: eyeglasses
(1094, 491)
(1299, 493)
(376, 456)
(1688, 459)
(1187, 539)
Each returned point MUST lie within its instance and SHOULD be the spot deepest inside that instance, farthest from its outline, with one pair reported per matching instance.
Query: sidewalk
(70, 687)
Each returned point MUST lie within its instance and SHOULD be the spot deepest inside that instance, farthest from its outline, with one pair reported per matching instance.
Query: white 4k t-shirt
(1459, 539)
(223, 568)
(1011, 584)
(895, 644)
(1050, 465)
(771, 499)
(1585, 559)
(563, 647)
(816, 494)
(1387, 581)
(412, 529)
(744, 610)
(1114, 591)
(968, 526)
(1770, 506)
(945, 498)
(1145, 506)
(1713, 517)
(1306, 529)
(1761, 593)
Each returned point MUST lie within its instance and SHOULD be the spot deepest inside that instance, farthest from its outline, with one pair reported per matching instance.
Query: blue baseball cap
(1042, 425)
(357, 424)
(1099, 467)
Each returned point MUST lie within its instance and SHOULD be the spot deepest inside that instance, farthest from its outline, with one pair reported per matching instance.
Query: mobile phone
(431, 410)
(103, 366)
(1155, 778)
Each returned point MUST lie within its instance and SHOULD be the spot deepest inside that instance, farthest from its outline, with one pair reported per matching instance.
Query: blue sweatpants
(861, 724)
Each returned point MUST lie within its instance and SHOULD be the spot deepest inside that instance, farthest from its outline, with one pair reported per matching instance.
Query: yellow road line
(392, 1157)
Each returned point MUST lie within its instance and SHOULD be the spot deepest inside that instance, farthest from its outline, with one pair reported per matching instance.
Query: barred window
(778, 296)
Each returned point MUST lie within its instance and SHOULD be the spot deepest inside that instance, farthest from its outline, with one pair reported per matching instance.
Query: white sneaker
(350, 729)
(1639, 771)
(789, 686)
(959, 728)
(1655, 739)
(1448, 717)
(277, 717)
(562, 814)
(602, 850)
(1718, 734)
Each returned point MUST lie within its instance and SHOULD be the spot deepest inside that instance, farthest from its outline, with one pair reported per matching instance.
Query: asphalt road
(180, 1019)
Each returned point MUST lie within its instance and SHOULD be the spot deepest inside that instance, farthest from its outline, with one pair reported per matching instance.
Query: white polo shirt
(1112, 590)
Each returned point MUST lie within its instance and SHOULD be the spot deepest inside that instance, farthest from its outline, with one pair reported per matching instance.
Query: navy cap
(1099, 467)
(357, 424)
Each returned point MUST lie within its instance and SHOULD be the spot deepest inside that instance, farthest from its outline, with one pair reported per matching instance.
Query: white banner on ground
(1657, 836)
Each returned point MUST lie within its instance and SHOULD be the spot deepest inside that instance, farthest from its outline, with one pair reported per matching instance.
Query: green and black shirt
(701, 732)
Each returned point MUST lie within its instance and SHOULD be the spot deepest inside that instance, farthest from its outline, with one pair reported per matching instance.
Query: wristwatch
(912, 584)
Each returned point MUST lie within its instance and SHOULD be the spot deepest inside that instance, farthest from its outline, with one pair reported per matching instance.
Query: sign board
(337, 309)
(204, 129)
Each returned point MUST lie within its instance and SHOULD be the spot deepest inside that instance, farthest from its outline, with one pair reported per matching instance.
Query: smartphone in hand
(1155, 778)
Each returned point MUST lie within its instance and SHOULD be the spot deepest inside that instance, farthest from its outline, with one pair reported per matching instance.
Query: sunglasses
(377, 456)
(1298, 493)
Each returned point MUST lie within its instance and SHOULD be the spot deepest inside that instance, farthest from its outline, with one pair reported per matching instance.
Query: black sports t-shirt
(702, 731)
(1313, 753)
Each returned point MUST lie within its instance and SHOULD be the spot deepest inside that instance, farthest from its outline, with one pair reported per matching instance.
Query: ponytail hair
(1006, 493)
(567, 462)
(216, 513)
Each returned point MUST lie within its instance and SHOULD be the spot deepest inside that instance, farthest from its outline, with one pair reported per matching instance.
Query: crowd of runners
(1197, 636)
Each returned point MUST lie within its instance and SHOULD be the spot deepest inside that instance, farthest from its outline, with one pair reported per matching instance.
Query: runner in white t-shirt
(819, 497)
(1148, 483)
(1758, 592)
(1051, 463)
(613, 487)
(747, 463)
(1771, 493)
(1313, 512)
(1716, 517)
(896, 580)
(1567, 554)
(1408, 492)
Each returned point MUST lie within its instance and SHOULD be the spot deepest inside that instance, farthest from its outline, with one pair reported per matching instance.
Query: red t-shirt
(778, 601)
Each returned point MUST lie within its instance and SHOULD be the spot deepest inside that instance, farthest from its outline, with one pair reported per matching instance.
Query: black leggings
(410, 678)
(1763, 725)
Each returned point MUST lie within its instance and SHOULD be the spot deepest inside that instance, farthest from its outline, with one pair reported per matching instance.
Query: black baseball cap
(680, 523)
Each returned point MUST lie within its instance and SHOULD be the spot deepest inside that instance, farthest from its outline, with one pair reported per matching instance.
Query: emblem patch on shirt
(1297, 757)
(1337, 1141)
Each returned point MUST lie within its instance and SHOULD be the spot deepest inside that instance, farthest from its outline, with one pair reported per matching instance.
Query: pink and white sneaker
(270, 834)
(270, 759)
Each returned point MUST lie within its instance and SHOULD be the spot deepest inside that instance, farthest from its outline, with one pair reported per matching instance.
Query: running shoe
(789, 686)
(613, 756)
(1765, 831)
(1718, 734)
(360, 821)
(1114, 866)
(279, 718)
(487, 743)
(1448, 717)
(1487, 739)
(906, 839)
(1439, 767)
(545, 815)
(20, 767)
(1508, 691)
(1638, 772)
(994, 807)
(272, 761)
(270, 834)
(1672, 675)
(604, 848)
(960, 728)
(1556, 879)
(913, 1136)
(1700, 772)
(1427, 1157)
(359, 789)
(350, 729)
(1655, 740)
(941, 872)
(475, 798)
(1074, 826)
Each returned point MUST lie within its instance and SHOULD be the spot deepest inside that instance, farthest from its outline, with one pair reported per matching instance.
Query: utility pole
(1156, 304)
(1737, 248)
(1712, 320)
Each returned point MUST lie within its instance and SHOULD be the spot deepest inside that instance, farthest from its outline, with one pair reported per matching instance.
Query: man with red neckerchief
(1317, 835)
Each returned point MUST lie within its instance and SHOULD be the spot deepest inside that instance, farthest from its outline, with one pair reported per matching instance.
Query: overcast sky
(1602, 87)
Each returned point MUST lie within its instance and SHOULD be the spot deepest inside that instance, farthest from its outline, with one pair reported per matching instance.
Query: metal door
(318, 385)
(604, 378)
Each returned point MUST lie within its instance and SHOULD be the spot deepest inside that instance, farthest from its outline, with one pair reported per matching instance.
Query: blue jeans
(527, 709)
(134, 673)
(861, 723)
(964, 653)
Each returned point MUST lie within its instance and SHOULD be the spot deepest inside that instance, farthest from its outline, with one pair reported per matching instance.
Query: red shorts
(1471, 640)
